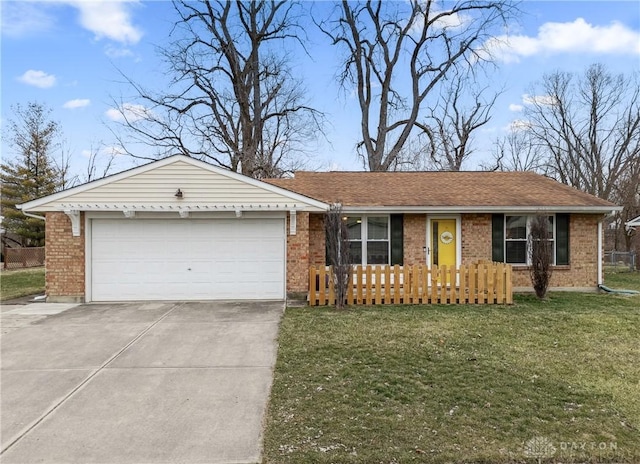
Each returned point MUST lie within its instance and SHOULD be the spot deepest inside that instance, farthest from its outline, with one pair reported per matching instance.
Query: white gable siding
(157, 187)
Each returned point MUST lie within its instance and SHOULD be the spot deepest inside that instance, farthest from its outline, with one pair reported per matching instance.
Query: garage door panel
(187, 259)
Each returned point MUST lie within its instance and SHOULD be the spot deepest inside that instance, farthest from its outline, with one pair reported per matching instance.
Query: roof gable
(443, 191)
(153, 187)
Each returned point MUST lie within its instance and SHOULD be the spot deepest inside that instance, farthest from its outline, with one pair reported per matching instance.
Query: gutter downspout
(35, 216)
(600, 255)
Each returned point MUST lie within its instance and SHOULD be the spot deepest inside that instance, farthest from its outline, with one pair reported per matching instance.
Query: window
(368, 239)
(507, 231)
(516, 238)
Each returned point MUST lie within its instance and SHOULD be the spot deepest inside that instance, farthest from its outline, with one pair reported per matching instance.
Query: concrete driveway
(137, 382)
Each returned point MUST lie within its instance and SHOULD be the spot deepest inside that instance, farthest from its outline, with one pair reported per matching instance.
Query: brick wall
(308, 248)
(65, 262)
(317, 253)
(415, 238)
(476, 237)
(583, 250)
(298, 255)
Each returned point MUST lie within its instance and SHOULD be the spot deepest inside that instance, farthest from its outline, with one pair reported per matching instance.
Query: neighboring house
(183, 229)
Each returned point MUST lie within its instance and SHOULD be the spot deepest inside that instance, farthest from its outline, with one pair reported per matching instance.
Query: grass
(623, 279)
(22, 282)
(453, 384)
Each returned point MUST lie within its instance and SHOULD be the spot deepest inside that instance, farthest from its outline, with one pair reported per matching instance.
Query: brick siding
(65, 260)
(476, 238)
(65, 254)
(583, 250)
(298, 255)
(414, 238)
(317, 253)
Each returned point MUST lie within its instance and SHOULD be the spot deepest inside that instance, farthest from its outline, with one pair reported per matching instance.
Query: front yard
(21, 282)
(556, 380)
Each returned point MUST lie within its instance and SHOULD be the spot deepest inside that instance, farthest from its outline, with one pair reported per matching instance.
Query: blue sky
(69, 55)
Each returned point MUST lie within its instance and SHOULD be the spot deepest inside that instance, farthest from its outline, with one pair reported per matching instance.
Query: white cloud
(515, 108)
(108, 19)
(538, 99)
(38, 79)
(518, 125)
(128, 112)
(117, 52)
(109, 150)
(449, 20)
(22, 19)
(77, 103)
(578, 36)
(113, 150)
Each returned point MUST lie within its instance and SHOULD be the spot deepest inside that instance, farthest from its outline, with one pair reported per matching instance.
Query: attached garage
(175, 229)
(187, 259)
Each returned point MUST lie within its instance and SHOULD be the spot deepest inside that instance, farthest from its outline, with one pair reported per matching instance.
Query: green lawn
(460, 384)
(623, 280)
(23, 282)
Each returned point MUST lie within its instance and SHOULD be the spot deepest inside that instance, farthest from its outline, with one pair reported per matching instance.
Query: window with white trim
(368, 239)
(516, 239)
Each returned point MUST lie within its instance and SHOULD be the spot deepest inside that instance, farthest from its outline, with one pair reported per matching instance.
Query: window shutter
(562, 239)
(397, 244)
(497, 237)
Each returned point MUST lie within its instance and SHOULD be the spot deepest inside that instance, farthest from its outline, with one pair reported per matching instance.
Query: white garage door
(187, 259)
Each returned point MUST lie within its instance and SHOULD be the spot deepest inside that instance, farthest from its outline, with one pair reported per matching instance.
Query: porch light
(178, 194)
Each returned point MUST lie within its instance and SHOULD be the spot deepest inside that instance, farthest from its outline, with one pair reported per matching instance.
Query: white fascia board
(140, 207)
(35, 204)
(480, 209)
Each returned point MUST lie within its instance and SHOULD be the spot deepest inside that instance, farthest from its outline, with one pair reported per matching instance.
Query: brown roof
(439, 189)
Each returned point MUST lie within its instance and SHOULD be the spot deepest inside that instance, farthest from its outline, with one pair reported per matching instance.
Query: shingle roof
(440, 189)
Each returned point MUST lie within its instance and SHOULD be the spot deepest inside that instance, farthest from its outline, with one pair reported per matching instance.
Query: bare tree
(100, 162)
(589, 127)
(337, 237)
(541, 254)
(233, 98)
(451, 124)
(396, 55)
(62, 164)
(627, 194)
(516, 151)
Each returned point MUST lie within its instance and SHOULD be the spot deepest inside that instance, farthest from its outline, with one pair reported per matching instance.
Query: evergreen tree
(32, 173)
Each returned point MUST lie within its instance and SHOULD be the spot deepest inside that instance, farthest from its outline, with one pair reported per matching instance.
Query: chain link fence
(18, 258)
(620, 260)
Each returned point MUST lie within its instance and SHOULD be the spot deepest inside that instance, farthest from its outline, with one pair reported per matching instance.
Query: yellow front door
(443, 242)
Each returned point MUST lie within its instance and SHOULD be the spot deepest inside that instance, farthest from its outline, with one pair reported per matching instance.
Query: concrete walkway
(136, 382)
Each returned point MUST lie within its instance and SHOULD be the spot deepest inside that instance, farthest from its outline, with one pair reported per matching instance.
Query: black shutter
(562, 239)
(497, 237)
(397, 244)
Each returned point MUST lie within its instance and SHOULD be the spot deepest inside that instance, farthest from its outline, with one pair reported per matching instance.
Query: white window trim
(364, 235)
(526, 240)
